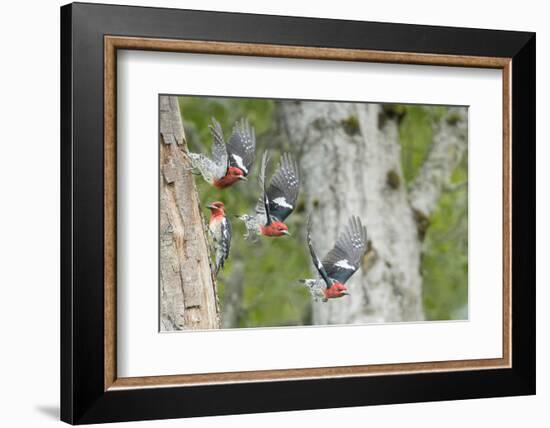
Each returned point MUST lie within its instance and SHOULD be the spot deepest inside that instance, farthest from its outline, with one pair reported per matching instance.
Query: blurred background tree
(258, 287)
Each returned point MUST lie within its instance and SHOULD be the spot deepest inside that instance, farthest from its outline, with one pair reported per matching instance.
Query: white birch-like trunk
(350, 163)
(188, 293)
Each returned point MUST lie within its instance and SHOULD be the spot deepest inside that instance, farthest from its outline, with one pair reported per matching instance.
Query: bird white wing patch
(344, 264)
(281, 201)
(239, 161)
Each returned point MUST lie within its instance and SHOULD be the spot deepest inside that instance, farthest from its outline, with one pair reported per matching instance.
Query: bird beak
(286, 232)
(345, 293)
(210, 206)
(242, 177)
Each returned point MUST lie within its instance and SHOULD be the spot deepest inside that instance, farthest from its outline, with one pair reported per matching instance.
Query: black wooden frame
(83, 399)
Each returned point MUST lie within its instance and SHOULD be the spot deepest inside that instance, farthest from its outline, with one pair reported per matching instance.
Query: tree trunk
(187, 287)
(350, 163)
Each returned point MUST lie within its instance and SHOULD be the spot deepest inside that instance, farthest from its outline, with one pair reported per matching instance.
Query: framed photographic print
(265, 213)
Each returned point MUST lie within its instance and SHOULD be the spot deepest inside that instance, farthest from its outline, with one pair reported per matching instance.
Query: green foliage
(445, 261)
(274, 297)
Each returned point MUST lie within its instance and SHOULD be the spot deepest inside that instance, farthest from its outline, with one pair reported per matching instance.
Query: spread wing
(219, 151)
(345, 258)
(316, 261)
(280, 198)
(241, 148)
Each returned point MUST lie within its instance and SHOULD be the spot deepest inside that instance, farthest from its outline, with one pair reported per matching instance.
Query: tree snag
(187, 287)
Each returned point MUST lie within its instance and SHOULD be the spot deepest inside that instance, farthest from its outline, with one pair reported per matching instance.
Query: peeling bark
(188, 293)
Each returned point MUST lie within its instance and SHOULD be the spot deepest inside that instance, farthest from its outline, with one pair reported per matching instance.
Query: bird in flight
(339, 264)
(220, 230)
(277, 201)
(230, 162)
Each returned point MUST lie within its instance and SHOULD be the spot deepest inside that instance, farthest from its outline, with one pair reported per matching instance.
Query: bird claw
(191, 169)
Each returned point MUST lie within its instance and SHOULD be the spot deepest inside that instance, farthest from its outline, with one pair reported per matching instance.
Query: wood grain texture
(109, 197)
(297, 374)
(266, 50)
(112, 43)
(188, 294)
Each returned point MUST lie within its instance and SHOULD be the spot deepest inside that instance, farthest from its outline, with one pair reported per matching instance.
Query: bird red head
(232, 175)
(217, 209)
(336, 290)
(276, 228)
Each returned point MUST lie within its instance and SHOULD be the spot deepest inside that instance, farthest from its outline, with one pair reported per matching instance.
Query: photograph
(268, 211)
(292, 213)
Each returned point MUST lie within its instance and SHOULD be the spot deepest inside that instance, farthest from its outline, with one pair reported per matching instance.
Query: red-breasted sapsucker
(339, 264)
(220, 230)
(276, 202)
(230, 162)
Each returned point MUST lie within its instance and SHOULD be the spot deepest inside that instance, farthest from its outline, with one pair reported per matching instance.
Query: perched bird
(277, 202)
(339, 264)
(220, 230)
(230, 163)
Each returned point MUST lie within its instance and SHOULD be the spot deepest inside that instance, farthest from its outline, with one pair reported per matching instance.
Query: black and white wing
(280, 198)
(219, 150)
(241, 148)
(345, 258)
(316, 261)
(263, 203)
(224, 244)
